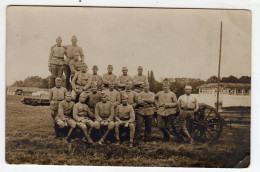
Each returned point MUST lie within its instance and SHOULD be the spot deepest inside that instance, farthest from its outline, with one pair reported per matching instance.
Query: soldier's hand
(105, 122)
(126, 124)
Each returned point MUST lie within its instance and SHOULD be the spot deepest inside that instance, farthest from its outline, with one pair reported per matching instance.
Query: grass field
(30, 139)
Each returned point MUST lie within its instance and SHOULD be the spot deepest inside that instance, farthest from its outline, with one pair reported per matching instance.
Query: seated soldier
(97, 78)
(113, 95)
(74, 65)
(122, 79)
(82, 115)
(57, 94)
(65, 117)
(109, 77)
(125, 117)
(132, 95)
(104, 115)
(81, 82)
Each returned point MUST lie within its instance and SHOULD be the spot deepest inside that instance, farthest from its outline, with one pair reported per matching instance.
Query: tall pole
(219, 62)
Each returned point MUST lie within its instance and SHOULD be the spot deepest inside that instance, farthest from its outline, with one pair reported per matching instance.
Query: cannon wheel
(207, 125)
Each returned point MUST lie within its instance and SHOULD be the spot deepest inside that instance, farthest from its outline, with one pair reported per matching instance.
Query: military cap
(83, 94)
(58, 79)
(76, 53)
(128, 82)
(83, 64)
(124, 68)
(68, 93)
(125, 96)
(94, 83)
(140, 67)
(103, 94)
(109, 66)
(58, 38)
(74, 36)
(95, 67)
(188, 87)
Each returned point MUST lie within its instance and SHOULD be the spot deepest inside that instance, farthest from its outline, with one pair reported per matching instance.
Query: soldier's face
(68, 98)
(128, 86)
(110, 69)
(95, 71)
(76, 57)
(84, 68)
(58, 83)
(104, 99)
(188, 91)
(146, 88)
(94, 89)
(124, 100)
(74, 40)
(111, 86)
(165, 87)
(124, 71)
(82, 99)
(58, 41)
(140, 71)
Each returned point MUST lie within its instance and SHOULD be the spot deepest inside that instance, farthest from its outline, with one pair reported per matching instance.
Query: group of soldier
(108, 103)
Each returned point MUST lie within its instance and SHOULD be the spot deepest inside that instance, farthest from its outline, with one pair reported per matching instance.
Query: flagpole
(219, 62)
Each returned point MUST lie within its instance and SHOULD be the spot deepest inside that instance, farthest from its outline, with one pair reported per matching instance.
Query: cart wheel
(207, 125)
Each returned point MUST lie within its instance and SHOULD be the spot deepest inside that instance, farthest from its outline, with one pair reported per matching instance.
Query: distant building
(27, 91)
(230, 94)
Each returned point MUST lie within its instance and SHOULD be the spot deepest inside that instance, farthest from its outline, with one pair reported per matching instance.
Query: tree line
(177, 84)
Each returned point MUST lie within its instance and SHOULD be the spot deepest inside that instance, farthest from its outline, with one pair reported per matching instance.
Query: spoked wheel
(207, 125)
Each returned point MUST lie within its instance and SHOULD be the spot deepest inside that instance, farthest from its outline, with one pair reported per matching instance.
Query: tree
(212, 79)
(230, 79)
(245, 79)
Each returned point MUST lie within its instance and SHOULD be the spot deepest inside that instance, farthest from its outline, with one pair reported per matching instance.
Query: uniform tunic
(65, 109)
(70, 51)
(93, 99)
(113, 96)
(122, 81)
(81, 81)
(139, 81)
(74, 66)
(146, 108)
(107, 78)
(163, 98)
(98, 79)
(125, 113)
(104, 111)
(132, 96)
(188, 102)
(57, 55)
(81, 111)
(56, 96)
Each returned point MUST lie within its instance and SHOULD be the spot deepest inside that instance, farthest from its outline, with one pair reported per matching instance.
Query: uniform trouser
(67, 73)
(83, 124)
(140, 119)
(56, 71)
(186, 117)
(68, 122)
(164, 123)
(131, 127)
(110, 125)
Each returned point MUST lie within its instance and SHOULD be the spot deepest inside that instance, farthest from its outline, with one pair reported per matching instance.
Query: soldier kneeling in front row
(125, 117)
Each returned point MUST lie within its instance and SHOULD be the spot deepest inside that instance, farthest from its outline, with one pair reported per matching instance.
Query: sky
(171, 42)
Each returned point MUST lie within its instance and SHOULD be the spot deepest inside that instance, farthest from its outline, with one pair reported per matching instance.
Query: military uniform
(70, 51)
(145, 113)
(122, 79)
(139, 80)
(83, 115)
(56, 60)
(65, 117)
(113, 96)
(165, 114)
(187, 105)
(92, 100)
(74, 67)
(80, 82)
(132, 97)
(98, 80)
(125, 114)
(107, 78)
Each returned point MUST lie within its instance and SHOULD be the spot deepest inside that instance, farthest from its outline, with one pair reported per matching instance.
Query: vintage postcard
(109, 86)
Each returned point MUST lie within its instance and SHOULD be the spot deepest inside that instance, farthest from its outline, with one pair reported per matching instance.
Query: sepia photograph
(121, 86)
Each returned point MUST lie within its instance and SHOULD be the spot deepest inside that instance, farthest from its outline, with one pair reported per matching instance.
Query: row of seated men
(113, 109)
(72, 68)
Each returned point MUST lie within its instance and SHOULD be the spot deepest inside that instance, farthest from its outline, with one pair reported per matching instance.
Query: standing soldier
(82, 115)
(132, 95)
(97, 78)
(109, 77)
(113, 94)
(57, 94)
(125, 117)
(104, 115)
(81, 82)
(123, 78)
(139, 80)
(187, 104)
(74, 65)
(145, 112)
(70, 51)
(65, 117)
(166, 103)
(56, 60)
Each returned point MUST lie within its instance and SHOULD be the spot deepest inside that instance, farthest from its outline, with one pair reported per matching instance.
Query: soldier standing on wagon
(75, 65)
(109, 77)
(56, 60)
(125, 117)
(187, 104)
(145, 112)
(70, 51)
(81, 82)
(97, 78)
(104, 115)
(123, 78)
(65, 116)
(57, 94)
(139, 80)
(83, 116)
(166, 103)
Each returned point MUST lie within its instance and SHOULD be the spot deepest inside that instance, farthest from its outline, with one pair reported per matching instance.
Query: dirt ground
(30, 139)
